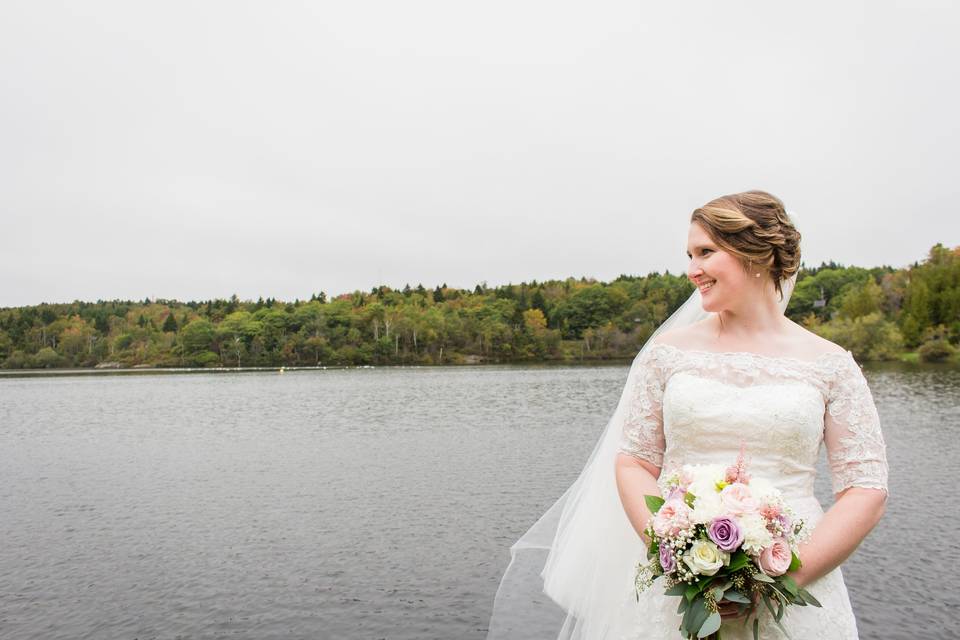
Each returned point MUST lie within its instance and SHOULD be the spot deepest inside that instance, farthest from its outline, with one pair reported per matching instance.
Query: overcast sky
(198, 149)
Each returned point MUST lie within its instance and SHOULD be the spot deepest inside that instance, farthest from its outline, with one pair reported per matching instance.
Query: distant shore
(128, 371)
(878, 314)
(911, 358)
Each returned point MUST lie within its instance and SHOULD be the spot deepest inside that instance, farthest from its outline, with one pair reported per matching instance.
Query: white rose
(755, 534)
(705, 558)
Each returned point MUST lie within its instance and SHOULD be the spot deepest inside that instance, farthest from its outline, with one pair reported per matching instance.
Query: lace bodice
(690, 406)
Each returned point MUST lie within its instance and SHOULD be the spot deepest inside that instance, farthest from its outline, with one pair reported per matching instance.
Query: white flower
(755, 534)
(707, 507)
(705, 558)
(705, 479)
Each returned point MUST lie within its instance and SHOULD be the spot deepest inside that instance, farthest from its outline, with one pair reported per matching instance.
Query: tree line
(879, 313)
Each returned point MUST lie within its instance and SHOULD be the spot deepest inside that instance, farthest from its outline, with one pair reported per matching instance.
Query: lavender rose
(725, 533)
(785, 522)
(675, 493)
(667, 561)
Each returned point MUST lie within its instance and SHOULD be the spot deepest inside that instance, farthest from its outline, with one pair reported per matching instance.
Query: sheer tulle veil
(573, 567)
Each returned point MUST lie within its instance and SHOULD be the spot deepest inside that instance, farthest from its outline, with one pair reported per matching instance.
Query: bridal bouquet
(720, 535)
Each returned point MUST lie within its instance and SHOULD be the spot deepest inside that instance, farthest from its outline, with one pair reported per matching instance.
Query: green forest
(878, 313)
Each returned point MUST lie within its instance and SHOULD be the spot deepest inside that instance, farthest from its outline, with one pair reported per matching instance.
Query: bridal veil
(572, 567)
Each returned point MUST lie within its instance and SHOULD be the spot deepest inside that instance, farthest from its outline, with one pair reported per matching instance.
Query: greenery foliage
(876, 313)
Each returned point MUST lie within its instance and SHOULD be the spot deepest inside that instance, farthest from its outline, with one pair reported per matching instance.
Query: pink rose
(686, 479)
(672, 518)
(775, 559)
(738, 499)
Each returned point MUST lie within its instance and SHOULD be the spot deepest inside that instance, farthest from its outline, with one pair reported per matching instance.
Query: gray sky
(197, 149)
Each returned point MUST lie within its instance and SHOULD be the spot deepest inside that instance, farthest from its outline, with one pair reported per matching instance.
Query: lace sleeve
(643, 426)
(856, 451)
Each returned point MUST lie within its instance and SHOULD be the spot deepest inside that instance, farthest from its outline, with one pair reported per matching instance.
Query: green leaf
(762, 577)
(735, 596)
(692, 591)
(677, 590)
(756, 629)
(738, 561)
(717, 593)
(794, 562)
(698, 616)
(809, 597)
(766, 601)
(653, 549)
(710, 625)
(683, 605)
(782, 598)
(782, 628)
(789, 584)
(686, 624)
(654, 503)
(689, 498)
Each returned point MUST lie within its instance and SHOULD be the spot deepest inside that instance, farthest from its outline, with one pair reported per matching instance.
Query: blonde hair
(753, 226)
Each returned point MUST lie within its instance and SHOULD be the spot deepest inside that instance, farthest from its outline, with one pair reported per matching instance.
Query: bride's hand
(731, 610)
(728, 610)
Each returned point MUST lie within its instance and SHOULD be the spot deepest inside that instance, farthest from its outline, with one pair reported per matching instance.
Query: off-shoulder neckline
(759, 356)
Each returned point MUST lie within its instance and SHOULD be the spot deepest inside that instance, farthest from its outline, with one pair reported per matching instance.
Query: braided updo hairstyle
(754, 226)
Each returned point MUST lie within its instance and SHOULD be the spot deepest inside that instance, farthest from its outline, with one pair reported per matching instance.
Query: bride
(727, 368)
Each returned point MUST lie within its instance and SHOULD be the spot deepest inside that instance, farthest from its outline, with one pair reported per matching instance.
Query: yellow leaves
(534, 320)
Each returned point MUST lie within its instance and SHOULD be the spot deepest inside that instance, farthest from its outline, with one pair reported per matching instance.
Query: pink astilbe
(738, 471)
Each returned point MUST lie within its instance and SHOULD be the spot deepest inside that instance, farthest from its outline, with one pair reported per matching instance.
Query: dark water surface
(371, 503)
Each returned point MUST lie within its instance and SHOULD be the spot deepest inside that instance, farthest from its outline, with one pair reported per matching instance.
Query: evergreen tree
(170, 324)
(537, 301)
(101, 324)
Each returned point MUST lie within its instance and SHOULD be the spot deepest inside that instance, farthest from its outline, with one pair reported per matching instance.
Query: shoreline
(904, 360)
(127, 371)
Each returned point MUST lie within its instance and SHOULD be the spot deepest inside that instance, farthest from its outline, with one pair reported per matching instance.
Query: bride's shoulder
(807, 341)
(796, 342)
(691, 336)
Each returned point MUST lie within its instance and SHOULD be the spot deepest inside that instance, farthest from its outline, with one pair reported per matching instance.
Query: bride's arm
(642, 443)
(839, 532)
(856, 454)
(635, 479)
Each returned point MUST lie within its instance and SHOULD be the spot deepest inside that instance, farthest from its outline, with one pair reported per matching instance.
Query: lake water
(368, 503)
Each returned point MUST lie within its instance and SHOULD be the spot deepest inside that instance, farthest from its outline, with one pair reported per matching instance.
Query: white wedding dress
(698, 406)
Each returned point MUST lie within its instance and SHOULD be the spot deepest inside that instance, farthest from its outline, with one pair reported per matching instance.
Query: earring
(756, 275)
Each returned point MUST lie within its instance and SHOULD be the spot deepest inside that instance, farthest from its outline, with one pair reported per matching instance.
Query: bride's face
(718, 274)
